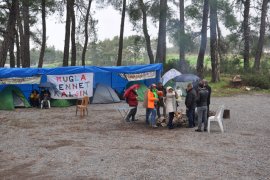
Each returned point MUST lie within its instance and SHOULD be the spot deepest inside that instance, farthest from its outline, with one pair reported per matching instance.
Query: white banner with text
(139, 76)
(71, 86)
(21, 80)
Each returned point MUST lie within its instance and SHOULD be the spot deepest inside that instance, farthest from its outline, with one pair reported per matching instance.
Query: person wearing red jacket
(132, 102)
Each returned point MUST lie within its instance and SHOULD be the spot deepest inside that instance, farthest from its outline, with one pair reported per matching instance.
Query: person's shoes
(170, 127)
(198, 130)
(205, 130)
(154, 126)
(127, 120)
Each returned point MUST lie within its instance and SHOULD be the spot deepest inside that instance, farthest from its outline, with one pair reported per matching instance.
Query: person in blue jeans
(150, 103)
(190, 103)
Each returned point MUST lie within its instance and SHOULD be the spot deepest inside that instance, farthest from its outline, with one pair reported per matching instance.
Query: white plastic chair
(217, 118)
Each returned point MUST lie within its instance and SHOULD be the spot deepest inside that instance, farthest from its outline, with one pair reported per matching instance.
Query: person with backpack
(202, 106)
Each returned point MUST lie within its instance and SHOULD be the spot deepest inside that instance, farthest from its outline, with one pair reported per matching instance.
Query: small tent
(140, 91)
(104, 95)
(11, 97)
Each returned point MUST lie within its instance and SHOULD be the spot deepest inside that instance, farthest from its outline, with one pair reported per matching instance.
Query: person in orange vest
(150, 102)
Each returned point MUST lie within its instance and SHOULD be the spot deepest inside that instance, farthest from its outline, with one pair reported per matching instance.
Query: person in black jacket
(190, 103)
(202, 106)
(209, 95)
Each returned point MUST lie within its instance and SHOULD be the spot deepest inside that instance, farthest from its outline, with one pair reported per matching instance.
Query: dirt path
(55, 144)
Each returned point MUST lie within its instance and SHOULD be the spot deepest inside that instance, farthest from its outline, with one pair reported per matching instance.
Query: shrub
(257, 80)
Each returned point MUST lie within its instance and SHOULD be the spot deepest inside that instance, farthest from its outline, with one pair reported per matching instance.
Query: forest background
(211, 38)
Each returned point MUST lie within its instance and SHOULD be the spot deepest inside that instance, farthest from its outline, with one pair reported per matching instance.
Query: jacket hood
(169, 87)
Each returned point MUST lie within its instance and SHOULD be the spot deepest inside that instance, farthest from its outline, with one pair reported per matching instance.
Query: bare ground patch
(56, 144)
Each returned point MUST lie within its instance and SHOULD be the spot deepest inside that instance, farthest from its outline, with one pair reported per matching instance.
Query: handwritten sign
(71, 86)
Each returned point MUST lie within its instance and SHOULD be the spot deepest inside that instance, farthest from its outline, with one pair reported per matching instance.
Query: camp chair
(83, 106)
(124, 110)
(217, 118)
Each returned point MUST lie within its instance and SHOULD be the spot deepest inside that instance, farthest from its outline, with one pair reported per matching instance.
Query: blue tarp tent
(108, 75)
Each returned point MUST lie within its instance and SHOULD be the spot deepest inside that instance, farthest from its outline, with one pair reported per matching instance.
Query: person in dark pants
(202, 106)
(190, 103)
(170, 102)
(132, 102)
(160, 103)
(209, 95)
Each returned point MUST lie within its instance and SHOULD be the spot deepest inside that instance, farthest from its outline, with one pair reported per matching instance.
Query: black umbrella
(187, 78)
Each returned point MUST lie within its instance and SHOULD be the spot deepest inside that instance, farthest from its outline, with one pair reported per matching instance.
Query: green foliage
(230, 66)
(265, 64)
(257, 80)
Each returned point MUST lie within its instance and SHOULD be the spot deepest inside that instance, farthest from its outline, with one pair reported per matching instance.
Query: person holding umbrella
(131, 98)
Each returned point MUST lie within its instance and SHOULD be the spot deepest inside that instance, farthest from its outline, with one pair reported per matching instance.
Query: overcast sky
(108, 27)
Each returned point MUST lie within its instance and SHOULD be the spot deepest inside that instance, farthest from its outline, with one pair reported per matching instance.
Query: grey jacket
(202, 97)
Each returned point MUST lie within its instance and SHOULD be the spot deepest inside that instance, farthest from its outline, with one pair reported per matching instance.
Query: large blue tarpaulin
(108, 75)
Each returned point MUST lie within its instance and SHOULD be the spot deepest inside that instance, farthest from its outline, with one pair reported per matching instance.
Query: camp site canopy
(108, 75)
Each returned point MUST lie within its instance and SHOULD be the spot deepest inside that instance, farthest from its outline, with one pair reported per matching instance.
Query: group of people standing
(154, 98)
(157, 96)
(200, 98)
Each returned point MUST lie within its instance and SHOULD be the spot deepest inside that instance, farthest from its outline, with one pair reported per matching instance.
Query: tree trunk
(43, 45)
(20, 37)
(213, 41)
(145, 32)
(120, 49)
(220, 45)
(161, 46)
(200, 59)
(261, 38)
(26, 35)
(183, 64)
(246, 34)
(11, 52)
(86, 32)
(9, 34)
(73, 33)
(67, 35)
(18, 53)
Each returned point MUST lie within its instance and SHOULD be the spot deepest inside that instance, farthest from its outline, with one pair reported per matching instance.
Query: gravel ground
(55, 144)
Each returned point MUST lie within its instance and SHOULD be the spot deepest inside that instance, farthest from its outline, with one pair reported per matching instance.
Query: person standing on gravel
(170, 102)
(132, 100)
(160, 103)
(202, 106)
(205, 82)
(190, 103)
(152, 99)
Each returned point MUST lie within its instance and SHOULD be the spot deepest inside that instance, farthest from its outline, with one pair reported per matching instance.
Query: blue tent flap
(108, 75)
